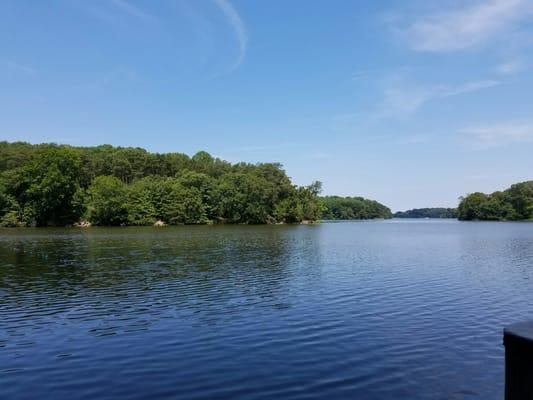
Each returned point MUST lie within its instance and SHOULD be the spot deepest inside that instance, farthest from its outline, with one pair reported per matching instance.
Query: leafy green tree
(520, 196)
(243, 198)
(14, 155)
(515, 203)
(175, 211)
(171, 200)
(9, 208)
(471, 207)
(175, 163)
(142, 197)
(121, 168)
(108, 199)
(200, 189)
(290, 209)
(48, 188)
(312, 208)
(195, 208)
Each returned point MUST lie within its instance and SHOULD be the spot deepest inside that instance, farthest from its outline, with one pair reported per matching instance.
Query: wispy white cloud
(511, 67)
(500, 134)
(16, 67)
(132, 10)
(467, 87)
(115, 12)
(402, 98)
(469, 26)
(238, 26)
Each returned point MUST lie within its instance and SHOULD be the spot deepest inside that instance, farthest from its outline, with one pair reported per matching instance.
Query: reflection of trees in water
(120, 275)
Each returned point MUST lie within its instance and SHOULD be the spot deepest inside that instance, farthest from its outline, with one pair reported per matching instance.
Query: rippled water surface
(368, 310)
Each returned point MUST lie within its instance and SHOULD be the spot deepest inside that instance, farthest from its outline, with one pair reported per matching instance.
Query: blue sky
(410, 102)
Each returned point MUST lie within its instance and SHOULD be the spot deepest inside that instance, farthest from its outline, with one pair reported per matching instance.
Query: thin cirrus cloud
(511, 67)
(132, 10)
(237, 24)
(500, 134)
(466, 27)
(403, 99)
(115, 12)
(17, 67)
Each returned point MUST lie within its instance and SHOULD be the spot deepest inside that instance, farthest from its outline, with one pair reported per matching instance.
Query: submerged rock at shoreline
(83, 224)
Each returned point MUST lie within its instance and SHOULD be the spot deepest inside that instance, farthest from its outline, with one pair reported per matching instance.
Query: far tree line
(512, 204)
(436, 212)
(346, 208)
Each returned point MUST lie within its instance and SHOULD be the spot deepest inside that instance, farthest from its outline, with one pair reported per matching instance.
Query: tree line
(512, 204)
(58, 185)
(346, 208)
(434, 212)
(48, 184)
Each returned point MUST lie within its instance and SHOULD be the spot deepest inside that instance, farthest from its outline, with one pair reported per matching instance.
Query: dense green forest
(47, 184)
(513, 204)
(343, 208)
(435, 212)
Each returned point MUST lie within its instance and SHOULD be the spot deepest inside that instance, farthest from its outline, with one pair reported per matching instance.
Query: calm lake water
(397, 309)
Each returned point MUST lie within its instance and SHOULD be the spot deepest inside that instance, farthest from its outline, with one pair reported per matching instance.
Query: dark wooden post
(518, 342)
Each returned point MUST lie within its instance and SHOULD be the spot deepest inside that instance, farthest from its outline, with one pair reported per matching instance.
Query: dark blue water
(367, 310)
